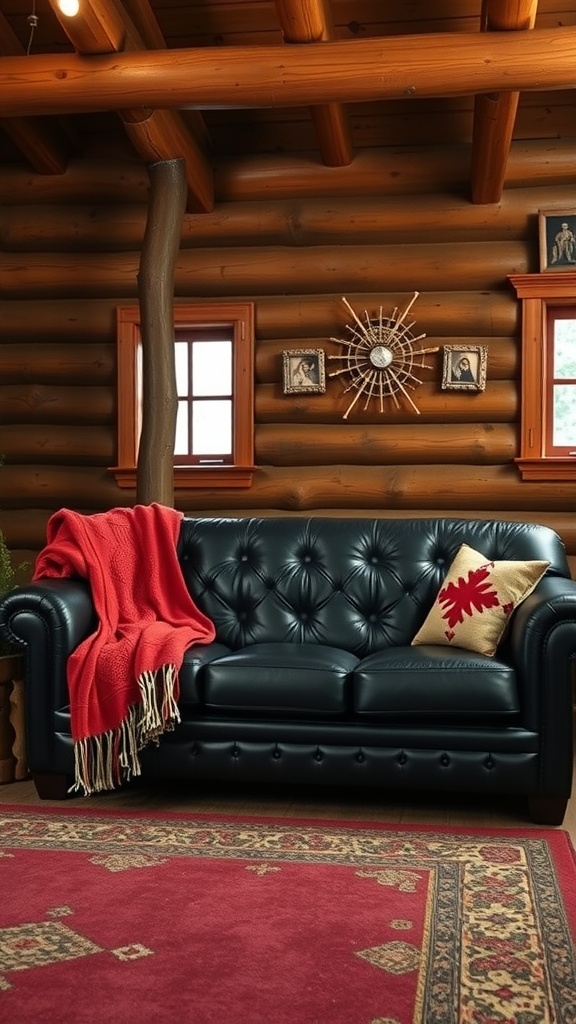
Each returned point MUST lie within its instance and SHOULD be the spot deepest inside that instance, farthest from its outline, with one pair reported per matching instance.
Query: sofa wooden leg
(547, 810)
(51, 785)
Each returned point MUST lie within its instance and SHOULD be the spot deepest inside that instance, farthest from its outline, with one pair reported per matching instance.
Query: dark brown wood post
(155, 467)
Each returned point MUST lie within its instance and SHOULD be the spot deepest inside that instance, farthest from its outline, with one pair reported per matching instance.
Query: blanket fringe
(106, 761)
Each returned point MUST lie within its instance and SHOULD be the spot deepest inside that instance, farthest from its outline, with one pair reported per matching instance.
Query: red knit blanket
(123, 678)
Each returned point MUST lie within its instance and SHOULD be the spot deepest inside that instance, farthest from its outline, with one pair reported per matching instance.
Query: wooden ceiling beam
(310, 21)
(399, 67)
(97, 28)
(34, 139)
(495, 113)
(104, 27)
(144, 20)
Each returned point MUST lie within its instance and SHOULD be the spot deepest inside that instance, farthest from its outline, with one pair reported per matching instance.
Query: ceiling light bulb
(69, 7)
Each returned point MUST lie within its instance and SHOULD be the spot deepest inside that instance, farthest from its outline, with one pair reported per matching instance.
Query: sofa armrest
(59, 609)
(542, 642)
(49, 619)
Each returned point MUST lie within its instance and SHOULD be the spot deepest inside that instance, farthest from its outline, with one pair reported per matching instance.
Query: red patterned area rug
(132, 919)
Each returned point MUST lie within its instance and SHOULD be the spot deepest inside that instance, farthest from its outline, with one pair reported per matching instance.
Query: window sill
(548, 469)
(194, 476)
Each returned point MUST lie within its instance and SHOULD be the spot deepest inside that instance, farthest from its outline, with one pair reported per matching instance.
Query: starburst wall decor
(381, 358)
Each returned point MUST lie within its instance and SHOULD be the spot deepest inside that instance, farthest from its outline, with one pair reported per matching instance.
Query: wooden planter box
(13, 767)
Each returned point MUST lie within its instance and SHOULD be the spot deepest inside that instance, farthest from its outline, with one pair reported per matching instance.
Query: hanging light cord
(32, 20)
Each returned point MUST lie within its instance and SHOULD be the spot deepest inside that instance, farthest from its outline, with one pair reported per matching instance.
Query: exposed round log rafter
(438, 64)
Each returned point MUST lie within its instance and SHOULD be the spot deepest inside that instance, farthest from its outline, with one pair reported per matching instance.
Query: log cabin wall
(292, 236)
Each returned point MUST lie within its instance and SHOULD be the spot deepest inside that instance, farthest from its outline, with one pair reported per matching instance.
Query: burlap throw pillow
(476, 600)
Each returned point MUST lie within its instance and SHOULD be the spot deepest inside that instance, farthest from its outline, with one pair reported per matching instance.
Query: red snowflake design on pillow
(473, 594)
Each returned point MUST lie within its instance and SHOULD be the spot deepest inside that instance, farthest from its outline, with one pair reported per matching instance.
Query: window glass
(563, 384)
(204, 371)
(564, 425)
(211, 368)
(212, 427)
(565, 348)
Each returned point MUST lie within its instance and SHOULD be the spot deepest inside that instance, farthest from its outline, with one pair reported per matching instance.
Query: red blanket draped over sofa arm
(123, 678)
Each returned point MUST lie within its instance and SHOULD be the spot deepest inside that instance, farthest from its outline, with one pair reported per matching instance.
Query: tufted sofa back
(357, 584)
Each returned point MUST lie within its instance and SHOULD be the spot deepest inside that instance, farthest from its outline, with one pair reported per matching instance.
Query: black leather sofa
(312, 677)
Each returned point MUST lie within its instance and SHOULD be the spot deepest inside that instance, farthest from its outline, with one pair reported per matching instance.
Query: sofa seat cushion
(280, 678)
(190, 675)
(417, 682)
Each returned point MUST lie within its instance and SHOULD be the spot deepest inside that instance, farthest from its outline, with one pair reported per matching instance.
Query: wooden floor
(302, 802)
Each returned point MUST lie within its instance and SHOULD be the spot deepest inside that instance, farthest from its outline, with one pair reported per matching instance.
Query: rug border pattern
(343, 843)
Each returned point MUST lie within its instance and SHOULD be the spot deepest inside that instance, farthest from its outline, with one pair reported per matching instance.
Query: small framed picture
(557, 237)
(304, 370)
(464, 367)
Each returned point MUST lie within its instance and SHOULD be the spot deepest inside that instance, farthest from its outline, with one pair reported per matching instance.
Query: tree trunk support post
(155, 467)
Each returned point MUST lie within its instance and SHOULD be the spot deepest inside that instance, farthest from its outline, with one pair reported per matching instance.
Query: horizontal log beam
(390, 172)
(452, 314)
(401, 67)
(272, 270)
(394, 487)
(86, 227)
(116, 181)
(497, 404)
(58, 444)
(291, 444)
(46, 403)
(389, 444)
(65, 363)
(475, 488)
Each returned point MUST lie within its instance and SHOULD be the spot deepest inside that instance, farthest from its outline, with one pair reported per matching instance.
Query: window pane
(181, 446)
(212, 367)
(565, 348)
(212, 428)
(564, 430)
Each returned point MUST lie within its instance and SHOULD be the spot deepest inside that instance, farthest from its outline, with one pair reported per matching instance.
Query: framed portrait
(464, 367)
(557, 237)
(304, 370)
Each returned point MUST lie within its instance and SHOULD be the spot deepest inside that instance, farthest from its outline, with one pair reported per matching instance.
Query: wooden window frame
(540, 294)
(129, 342)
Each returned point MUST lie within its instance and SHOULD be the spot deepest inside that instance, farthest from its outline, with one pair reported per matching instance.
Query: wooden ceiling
(264, 80)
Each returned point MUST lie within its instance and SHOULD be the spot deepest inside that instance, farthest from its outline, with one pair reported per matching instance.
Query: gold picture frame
(557, 239)
(304, 370)
(464, 367)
